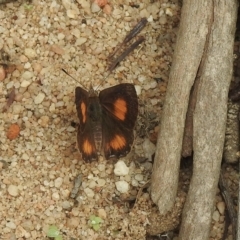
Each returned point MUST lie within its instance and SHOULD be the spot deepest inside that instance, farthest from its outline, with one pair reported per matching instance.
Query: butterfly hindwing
(119, 113)
(85, 137)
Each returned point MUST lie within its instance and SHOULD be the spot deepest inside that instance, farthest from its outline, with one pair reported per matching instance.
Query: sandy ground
(41, 38)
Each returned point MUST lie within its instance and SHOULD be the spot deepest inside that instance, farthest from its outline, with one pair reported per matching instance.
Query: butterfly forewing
(119, 114)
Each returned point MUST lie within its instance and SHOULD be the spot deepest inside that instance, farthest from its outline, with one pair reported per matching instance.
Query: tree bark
(192, 35)
(209, 120)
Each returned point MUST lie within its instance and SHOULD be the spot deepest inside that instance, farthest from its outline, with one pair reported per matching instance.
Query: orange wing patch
(87, 147)
(118, 142)
(120, 108)
(83, 111)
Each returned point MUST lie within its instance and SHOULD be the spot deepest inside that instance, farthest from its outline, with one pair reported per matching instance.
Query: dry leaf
(10, 100)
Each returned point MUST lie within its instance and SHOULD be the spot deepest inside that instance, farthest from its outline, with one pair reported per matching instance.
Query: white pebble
(121, 169)
(138, 89)
(89, 192)
(95, 7)
(139, 177)
(80, 41)
(122, 186)
(11, 225)
(27, 75)
(58, 182)
(216, 216)
(25, 157)
(92, 184)
(30, 53)
(101, 182)
(55, 196)
(101, 167)
(25, 83)
(102, 213)
(13, 190)
(149, 148)
(134, 183)
(39, 98)
(221, 207)
(71, 13)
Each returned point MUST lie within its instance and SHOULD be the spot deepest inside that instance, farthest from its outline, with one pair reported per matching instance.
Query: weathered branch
(189, 48)
(209, 120)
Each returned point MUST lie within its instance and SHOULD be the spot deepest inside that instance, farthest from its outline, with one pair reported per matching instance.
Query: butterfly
(106, 121)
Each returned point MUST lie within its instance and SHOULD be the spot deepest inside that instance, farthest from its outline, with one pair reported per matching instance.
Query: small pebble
(122, 186)
(57, 49)
(221, 207)
(39, 98)
(55, 196)
(121, 168)
(139, 177)
(11, 225)
(30, 53)
(102, 213)
(73, 222)
(216, 216)
(25, 83)
(27, 75)
(58, 182)
(149, 148)
(66, 205)
(89, 192)
(13, 190)
(95, 7)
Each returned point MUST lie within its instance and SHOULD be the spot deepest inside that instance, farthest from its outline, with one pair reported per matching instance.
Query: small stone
(95, 7)
(39, 98)
(66, 205)
(102, 213)
(107, 9)
(27, 75)
(13, 190)
(30, 53)
(71, 13)
(139, 177)
(122, 186)
(13, 131)
(25, 157)
(138, 89)
(89, 192)
(57, 49)
(121, 169)
(81, 41)
(101, 167)
(101, 182)
(11, 225)
(73, 222)
(44, 121)
(149, 149)
(28, 225)
(92, 184)
(216, 216)
(169, 12)
(55, 196)
(134, 183)
(58, 182)
(25, 83)
(2, 73)
(221, 207)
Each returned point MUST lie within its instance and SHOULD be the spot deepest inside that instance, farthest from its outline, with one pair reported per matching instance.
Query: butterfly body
(106, 121)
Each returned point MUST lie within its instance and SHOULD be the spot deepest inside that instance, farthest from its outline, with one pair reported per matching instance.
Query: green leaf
(96, 227)
(53, 231)
(58, 237)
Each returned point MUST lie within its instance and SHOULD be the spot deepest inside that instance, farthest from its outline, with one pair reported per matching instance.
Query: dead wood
(231, 211)
(231, 146)
(209, 120)
(192, 35)
(204, 48)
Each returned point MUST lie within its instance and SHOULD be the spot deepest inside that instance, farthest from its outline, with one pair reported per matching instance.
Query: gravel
(41, 38)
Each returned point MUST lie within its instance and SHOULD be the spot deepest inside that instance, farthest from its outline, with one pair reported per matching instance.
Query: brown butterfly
(106, 121)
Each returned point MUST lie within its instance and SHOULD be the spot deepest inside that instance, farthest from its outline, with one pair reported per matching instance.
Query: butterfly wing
(85, 138)
(119, 113)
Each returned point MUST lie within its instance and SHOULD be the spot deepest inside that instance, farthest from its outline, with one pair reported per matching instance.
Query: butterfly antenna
(73, 78)
(103, 80)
